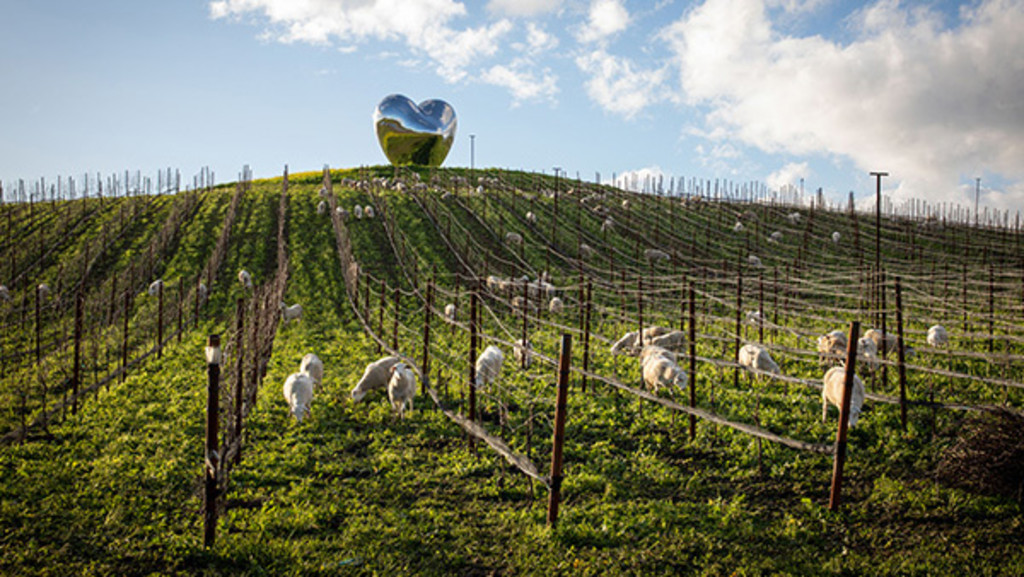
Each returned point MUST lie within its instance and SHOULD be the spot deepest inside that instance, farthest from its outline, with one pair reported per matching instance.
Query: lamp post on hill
(472, 151)
(977, 192)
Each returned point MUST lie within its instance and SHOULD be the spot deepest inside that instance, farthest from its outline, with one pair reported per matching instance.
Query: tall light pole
(977, 192)
(472, 151)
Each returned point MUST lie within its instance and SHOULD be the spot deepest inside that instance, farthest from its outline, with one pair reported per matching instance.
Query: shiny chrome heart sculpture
(414, 134)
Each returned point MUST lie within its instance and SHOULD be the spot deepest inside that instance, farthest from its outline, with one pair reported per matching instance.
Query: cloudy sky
(773, 91)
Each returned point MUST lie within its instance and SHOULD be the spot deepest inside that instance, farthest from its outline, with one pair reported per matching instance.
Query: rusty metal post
(212, 465)
(692, 326)
(239, 376)
(76, 369)
(160, 322)
(427, 313)
(559, 434)
(586, 335)
(844, 417)
(472, 357)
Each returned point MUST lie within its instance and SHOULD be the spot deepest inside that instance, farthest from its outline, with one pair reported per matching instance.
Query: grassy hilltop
(110, 482)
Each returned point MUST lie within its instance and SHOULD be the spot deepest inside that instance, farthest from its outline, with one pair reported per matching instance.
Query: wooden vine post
(472, 358)
(559, 434)
(160, 320)
(692, 338)
(76, 368)
(236, 409)
(212, 465)
(844, 417)
(427, 313)
(586, 336)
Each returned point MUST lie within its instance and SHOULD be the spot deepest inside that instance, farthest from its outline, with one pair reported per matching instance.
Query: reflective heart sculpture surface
(411, 133)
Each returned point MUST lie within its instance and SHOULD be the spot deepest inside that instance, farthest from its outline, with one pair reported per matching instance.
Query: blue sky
(746, 90)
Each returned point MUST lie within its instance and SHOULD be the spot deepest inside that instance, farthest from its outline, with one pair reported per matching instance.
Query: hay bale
(988, 456)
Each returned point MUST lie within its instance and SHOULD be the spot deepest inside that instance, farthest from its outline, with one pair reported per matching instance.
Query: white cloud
(522, 82)
(606, 17)
(523, 8)
(537, 40)
(423, 25)
(788, 177)
(924, 101)
(617, 87)
(637, 180)
(797, 6)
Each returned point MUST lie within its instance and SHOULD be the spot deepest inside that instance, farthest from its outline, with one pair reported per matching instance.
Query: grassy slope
(352, 491)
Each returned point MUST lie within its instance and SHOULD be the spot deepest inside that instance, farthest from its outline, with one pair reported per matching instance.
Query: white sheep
(836, 237)
(514, 238)
(43, 290)
(245, 279)
(496, 284)
(375, 376)
(661, 371)
(738, 227)
(608, 225)
(368, 211)
(314, 367)
(625, 204)
(523, 353)
(449, 312)
(775, 237)
(757, 357)
(832, 345)
(5, 293)
(322, 191)
(290, 313)
(531, 218)
(653, 254)
(321, 207)
(341, 213)
(298, 391)
(660, 336)
(401, 388)
(832, 392)
(754, 261)
(556, 306)
(586, 251)
(867, 352)
(755, 318)
(794, 217)
(357, 211)
(883, 342)
(155, 287)
(488, 366)
(650, 351)
(937, 336)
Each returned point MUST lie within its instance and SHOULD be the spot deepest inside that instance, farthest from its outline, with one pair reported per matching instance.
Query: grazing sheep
(298, 391)
(357, 211)
(659, 336)
(488, 366)
(155, 287)
(832, 345)
(496, 284)
(832, 392)
(738, 227)
(375, 376)
(586, 251)
(867, 352)
(883, 342)
(449, 311)
(757, 357)
(754, 261)
(401, 388)
(341, 212)
(836, 237)
(794, 217)
(531, 218)
(625, 204)
(937, 336)
(608, 225)
(556, 306)
(314, 367)
(323, 191)
(290, 313)
(775, 237)
(661, 371)
(514, 238)
(650, 351)
(523, 353)
(653, 254)
(368, 211)
(246, 279)
(321, 207)
(5, 293)
(43, 289)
